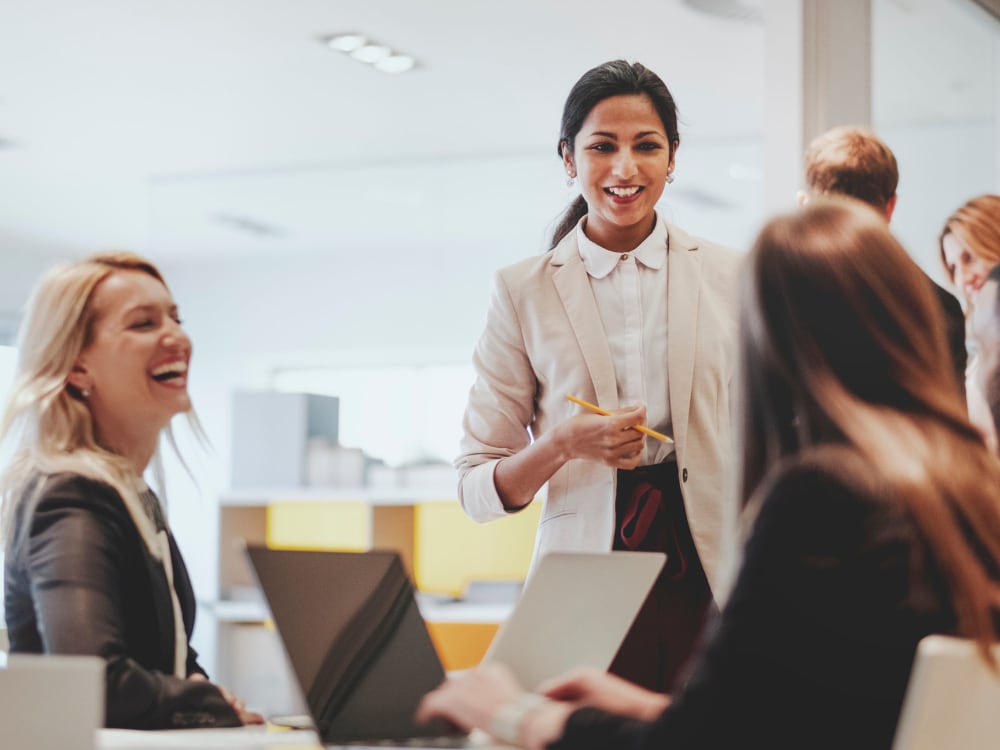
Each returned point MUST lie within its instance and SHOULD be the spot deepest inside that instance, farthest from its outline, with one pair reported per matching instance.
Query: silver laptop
(952, 700)
(51, 702)
(362, 655)
(574, 611)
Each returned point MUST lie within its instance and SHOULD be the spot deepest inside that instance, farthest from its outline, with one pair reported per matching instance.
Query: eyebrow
(614, 137)
(150, 308)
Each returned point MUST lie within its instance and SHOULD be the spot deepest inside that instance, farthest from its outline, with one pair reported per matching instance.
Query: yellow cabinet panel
(341, 525)
(461, 645)
(450, 549)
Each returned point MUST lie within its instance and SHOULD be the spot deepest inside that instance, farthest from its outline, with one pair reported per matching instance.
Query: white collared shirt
(631, 294)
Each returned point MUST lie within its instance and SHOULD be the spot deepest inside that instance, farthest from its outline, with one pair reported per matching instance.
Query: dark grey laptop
(362, 655)
(356, 642)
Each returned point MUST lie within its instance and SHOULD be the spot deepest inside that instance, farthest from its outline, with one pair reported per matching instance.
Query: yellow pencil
(604, 412)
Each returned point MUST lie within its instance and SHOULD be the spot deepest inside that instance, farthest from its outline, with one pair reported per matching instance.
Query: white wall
(940, 167)
(409, 304)
(22, 261)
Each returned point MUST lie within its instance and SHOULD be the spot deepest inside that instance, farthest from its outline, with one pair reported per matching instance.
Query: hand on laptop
(477, 698)
(592, 687)
(245, 716)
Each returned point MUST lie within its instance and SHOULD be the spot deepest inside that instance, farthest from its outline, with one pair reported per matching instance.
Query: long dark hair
(615, 78)
(843, 346)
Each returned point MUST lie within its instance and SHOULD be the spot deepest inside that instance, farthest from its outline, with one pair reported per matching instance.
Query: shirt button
(684, 475)
(624, 256)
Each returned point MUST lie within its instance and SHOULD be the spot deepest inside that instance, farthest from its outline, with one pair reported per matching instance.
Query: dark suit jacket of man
(954, 324)
(80, 580)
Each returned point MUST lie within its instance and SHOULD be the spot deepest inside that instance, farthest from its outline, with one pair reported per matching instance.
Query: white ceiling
(190, 128)
(136, 122)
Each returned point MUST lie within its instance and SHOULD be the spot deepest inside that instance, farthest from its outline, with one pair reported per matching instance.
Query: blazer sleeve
(501, 406)
(75, 558)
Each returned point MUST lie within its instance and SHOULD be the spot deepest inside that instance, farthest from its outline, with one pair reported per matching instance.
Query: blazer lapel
(683, 290)
(573, 285)
(160, 590)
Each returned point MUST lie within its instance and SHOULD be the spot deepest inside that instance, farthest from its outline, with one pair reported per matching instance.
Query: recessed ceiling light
(735, 10)
(371, 53)
(395, 64)
(365, 49)
(346, 42)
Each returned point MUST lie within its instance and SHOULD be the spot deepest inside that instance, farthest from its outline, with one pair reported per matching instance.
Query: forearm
(81, 619)
(139, 698)
(518, 478)
(544, 725)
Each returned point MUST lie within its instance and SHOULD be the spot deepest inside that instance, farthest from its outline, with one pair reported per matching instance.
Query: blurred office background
(329, 228)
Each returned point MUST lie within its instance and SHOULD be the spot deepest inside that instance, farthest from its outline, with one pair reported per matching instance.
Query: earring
(670, 177)
(569, 179)
(85, 393)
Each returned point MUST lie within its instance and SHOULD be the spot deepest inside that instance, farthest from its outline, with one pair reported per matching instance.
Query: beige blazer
(544, 339)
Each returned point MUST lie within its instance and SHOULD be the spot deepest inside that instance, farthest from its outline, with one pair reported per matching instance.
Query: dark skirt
(649, 516)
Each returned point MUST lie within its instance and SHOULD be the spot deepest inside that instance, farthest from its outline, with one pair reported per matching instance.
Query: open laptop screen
(355, 639)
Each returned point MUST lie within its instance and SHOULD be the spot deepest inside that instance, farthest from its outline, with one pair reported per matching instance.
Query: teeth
(170, 368)
(623, 192)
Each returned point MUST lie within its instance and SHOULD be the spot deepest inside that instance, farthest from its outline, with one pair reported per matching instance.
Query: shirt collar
(599, 261)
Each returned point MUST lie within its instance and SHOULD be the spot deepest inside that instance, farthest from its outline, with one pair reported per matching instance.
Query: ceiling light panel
(395, 64)
(346, 42)
(366, 50)
(371, 53)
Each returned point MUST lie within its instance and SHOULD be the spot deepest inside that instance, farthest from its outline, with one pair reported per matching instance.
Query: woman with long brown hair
(871, 512)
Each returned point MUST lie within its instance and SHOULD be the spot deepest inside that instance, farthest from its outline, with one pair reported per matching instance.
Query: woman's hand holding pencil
(604, 412)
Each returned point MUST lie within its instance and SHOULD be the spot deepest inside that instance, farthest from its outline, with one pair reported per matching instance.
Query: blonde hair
(977, 225)
(46, 417)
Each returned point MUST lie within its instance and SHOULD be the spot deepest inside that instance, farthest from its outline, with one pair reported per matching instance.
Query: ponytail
(577, 210)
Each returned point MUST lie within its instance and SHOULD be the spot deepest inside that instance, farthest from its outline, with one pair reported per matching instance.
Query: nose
(624, 164)
(967, 274)
(174, 336)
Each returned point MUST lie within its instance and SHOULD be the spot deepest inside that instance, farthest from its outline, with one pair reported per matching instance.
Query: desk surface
(241, 738)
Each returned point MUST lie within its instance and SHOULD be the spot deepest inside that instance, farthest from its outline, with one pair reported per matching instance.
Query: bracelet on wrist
(506, 725)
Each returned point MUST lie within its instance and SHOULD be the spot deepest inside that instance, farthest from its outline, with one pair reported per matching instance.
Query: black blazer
(80, 580)
(815, 645)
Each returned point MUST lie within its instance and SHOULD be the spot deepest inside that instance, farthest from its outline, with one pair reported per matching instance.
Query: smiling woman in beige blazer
(638, 317)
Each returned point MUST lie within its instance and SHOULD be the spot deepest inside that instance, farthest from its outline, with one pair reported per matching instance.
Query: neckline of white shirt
(599, 261)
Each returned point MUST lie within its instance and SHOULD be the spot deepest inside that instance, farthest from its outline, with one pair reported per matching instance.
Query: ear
(568, 161)
(673, 153)
(890, 206)
(79, 377)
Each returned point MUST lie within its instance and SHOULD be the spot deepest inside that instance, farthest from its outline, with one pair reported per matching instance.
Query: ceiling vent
(249, 226)
(747, 11)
